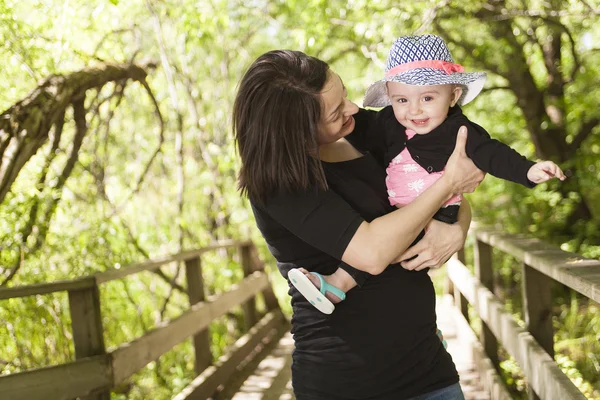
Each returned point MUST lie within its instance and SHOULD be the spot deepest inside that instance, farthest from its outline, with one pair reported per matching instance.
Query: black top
(380, 343)
(431, 151)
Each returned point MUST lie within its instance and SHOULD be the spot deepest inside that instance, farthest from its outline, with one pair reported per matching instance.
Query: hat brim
(472, 83)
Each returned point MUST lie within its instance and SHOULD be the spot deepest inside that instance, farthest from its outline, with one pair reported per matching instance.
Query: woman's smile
(348, 123)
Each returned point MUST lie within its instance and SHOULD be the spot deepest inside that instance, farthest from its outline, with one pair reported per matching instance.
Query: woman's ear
(456, 93)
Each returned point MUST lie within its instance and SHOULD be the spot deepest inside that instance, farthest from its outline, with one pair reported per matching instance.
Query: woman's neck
(338, 151)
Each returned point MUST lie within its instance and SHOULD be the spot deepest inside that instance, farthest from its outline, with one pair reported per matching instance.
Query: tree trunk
(543, 106)
(25, 126)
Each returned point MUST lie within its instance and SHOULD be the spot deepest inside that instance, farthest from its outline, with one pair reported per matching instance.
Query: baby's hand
(543, 171)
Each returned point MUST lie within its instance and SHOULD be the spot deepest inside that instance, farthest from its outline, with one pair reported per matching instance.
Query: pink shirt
(406, 179)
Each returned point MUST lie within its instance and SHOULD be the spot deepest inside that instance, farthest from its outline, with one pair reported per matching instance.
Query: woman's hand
(441, 240)
(460, 172)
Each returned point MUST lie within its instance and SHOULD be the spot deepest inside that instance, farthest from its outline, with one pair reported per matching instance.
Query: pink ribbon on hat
(445, 66)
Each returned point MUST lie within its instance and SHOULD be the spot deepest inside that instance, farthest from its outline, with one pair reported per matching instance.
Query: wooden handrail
(113, 274)
(153, 265)
(60, 382)
(113, 368)
(133, 356)
(46, 288)
(97, 371)
(541, 371)
(542, 264)
(577, 272)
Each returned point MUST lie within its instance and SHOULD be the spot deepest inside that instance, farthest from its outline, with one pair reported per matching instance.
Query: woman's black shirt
(380, 343)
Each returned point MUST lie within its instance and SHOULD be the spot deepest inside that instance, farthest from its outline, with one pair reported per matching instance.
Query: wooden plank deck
(271, 378)
(461, 340)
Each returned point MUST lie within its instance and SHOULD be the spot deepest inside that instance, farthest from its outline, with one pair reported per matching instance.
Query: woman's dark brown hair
(275, 120)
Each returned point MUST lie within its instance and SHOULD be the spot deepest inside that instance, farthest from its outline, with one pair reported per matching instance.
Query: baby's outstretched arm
(543, 171)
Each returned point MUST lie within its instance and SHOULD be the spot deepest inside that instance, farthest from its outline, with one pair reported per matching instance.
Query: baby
(422, 92)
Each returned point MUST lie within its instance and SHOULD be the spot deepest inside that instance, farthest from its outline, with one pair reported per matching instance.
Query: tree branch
(200, 141)
(339, 55)
(468, 48)
(111, 33)
(585, 131)
(80, 132)
(25, 126)
(576, 62)
(511, 14)
(179, 133)
(33, 211)
(429, 17)
(492, 88)
(119, 92)
(589, 7)
(43, 222)
(161, 140)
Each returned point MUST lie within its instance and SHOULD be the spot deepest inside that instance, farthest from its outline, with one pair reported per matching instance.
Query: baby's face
(422, 108)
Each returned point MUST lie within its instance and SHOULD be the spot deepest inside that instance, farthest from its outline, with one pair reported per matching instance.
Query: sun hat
(423, 60)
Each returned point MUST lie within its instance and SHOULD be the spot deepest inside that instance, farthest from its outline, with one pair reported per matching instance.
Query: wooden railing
(95, 371)
(531, 347)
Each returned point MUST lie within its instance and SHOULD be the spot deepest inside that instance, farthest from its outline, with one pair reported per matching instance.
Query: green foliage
(138, 191)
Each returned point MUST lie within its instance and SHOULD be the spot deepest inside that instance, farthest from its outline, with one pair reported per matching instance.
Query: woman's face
(336, 111)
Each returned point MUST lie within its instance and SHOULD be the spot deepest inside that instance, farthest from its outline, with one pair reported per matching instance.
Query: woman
(312, 168)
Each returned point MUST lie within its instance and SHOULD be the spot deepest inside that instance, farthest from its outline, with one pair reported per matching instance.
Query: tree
(539, 53)
(97, 173)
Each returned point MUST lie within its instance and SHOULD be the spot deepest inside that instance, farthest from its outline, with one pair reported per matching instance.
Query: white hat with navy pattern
(423, 60)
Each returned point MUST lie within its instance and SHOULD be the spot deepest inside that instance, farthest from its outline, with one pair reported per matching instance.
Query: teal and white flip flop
(315, 296)
(441, 336)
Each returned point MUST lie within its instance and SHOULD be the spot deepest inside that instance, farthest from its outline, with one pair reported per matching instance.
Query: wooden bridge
(257, 365)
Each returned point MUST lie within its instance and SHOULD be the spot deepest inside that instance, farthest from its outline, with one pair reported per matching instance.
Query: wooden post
(271, 302)
(249, 307)
(461, 302)
(195, 288)
(461, 256)
(537, 310)
(483, 270)
(86, 323)
(449, 287)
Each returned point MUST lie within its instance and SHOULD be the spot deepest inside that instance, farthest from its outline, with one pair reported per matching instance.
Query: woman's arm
(377, 244)
(440, 242)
